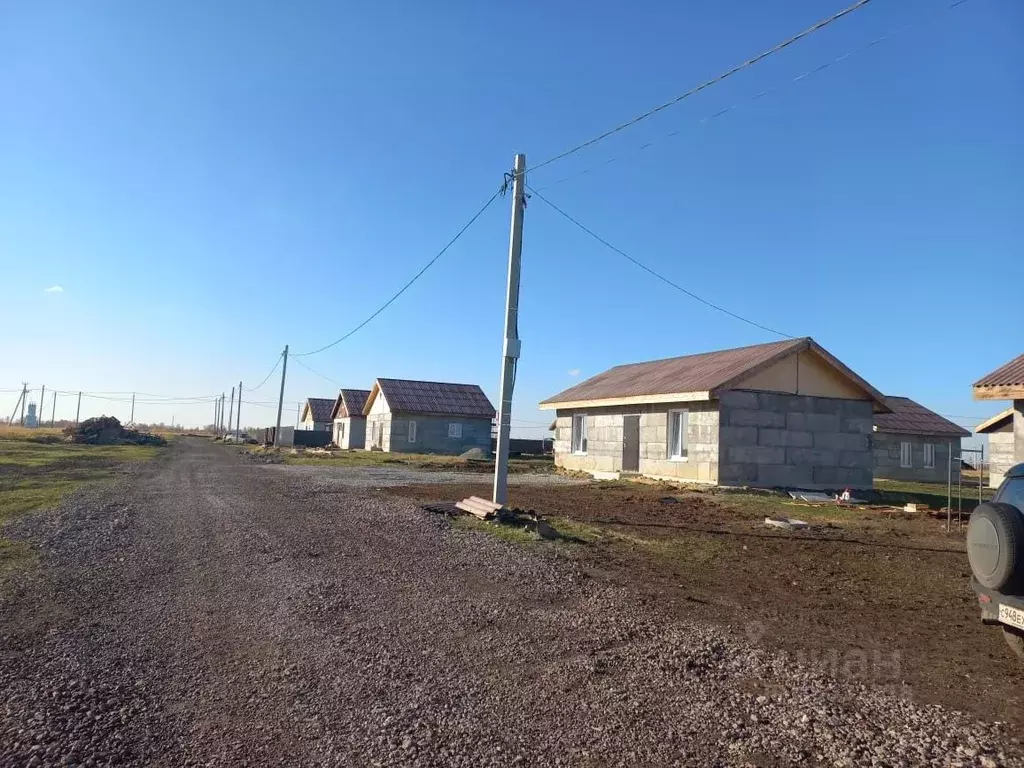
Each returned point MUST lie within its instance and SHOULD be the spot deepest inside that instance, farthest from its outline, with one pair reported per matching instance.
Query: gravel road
(385, 477)
(206, 611)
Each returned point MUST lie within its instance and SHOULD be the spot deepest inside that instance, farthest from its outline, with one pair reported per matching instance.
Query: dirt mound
(107, 430)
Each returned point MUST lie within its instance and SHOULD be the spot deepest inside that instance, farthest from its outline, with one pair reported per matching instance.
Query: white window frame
(455, 430)
(929, 456)
(578, 437)
(906, 455)
(677, 452)
(411, 436)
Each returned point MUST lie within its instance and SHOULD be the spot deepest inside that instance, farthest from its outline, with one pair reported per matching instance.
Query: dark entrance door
(630, 443)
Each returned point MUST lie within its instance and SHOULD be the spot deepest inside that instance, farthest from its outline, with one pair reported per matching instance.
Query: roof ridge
(714, 352)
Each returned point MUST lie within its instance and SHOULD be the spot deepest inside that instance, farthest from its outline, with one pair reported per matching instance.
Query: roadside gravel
(384, 477)
(208, 612)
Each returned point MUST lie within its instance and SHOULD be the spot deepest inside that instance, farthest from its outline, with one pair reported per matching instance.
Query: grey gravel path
(384, 477)
(210, 612)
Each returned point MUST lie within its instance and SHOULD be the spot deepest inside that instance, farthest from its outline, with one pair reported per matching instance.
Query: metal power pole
(231, 410)
(238, 413)
(510, 350)
(280, 399)
(53, 413)
(78, 410)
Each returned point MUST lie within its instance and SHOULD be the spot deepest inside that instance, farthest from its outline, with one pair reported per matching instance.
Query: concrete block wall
(604, 440)
(432, 434)
(379, 424)
(775, 440)
(355, 432)
(1000, 455)
(886, 451)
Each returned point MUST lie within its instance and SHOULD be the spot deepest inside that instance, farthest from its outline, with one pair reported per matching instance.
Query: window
(929, 455)
(906, 455)
(677, 421)
(412, 431)
(455, 430)
(579, 433)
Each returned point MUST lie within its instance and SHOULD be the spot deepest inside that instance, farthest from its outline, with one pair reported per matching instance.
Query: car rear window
(1012, 492)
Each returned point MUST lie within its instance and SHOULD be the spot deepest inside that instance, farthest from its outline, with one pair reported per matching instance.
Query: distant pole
(223, 402)
(280, 399)
(42, 404)
(78, 410)
(238, 413)
(949, 491)
(24, 400)
(231, 411)
(21, 399)
(53, 413)
(132, 419)
(298, 409)
(510, 350)
(216, 410)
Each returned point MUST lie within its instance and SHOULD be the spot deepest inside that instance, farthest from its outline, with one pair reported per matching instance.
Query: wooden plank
(1000, 392)
(486, 503)
(476, 512)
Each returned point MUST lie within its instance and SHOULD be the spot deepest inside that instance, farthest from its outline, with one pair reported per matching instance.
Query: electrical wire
(267, 377)
(661, 277)
(756, 97)
(706, 84)
(322, 376)
(405, 287)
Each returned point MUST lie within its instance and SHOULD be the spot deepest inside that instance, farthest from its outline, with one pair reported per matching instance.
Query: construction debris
(786, 523)
(107, 430)
(478, 507)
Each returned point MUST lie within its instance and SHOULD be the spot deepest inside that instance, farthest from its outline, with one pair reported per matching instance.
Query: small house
(348, 419)
(915, 443)
(427, 417)
(1006, 430)
(1000, 445)
(316, 414)
(786, 414)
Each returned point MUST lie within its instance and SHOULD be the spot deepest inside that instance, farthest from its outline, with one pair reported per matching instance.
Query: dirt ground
(870, 594)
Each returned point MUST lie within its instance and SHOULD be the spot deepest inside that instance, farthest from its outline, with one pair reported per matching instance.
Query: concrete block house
(427, 417)
(785, 414)
(1006, 430)
(999, 430)
(914, 443)
(316, 414)
(348, 420)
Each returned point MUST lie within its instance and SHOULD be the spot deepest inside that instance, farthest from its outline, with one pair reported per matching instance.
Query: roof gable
(319, 407)
(912, 418)
(434, 397)
(696, 377)
(996, 423)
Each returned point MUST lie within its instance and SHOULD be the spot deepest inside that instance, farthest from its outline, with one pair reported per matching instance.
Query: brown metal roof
(435, 397)
(321, 408)
(691, 373)
(910, 418)
(349, 402)
(1009, 375)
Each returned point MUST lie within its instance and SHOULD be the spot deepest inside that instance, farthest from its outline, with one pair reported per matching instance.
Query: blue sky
(210, 181)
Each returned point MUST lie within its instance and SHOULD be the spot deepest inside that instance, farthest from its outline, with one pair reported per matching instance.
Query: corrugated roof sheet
(911, 418)
(691, 373)
(321, 408)
(1011, 374)
(436, 397)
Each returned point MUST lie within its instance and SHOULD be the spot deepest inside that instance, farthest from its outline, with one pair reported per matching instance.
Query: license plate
(1012, 616)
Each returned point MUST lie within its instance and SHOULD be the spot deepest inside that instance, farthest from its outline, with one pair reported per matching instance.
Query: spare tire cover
(995, 545)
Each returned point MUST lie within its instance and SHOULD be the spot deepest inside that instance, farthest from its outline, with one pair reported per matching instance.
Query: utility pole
(231, 410)
(78, 410)
(24, 400)
(280, 399)
(53, 413)
(223, 402)
(132, 419)
(216, 410)
(21, 399)
(511, 346)
(238, 413)
(42, 404)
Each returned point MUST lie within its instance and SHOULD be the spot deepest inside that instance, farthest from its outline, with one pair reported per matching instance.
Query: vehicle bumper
(989, 601)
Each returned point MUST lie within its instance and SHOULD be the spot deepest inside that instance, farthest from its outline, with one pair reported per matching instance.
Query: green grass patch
(35, 475)
(425, 461)
(509, 533)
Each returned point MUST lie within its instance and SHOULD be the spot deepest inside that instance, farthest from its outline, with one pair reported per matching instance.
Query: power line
(706, 84)
(756, 97)
(322, 376)
(405, 287)
(661, 277)
(267, 377)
